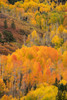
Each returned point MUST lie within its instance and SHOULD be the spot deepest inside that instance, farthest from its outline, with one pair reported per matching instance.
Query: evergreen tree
(13, 25)
(59, 95)
(13, 1)
(56, 82)
(8, 36)
(5, 24)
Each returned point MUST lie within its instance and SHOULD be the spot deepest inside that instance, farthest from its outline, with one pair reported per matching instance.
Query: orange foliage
(37, 64)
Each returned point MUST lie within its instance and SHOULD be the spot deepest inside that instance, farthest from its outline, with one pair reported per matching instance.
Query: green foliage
(13, 1)
(61, 95)
(38, 64)
(1, 40)
(56, 82)
(5, 24)
(30, 56)
(8, 37)
(13, 25)
(62, 90)
(57, 17)
(22, 32)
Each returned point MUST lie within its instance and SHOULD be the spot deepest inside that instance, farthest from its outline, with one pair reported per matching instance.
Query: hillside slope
(18, 34)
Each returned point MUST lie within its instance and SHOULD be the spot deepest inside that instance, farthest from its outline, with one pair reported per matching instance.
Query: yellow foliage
(65, 31)
(4, 1)
(5, 97)
(52, 4)
(34, 34)
(43, 93)
(2, 86)
(56, 39)
(52, 34)
(33, 21)
(60, 8)
(61, 28)
(37, 1)
(64, 82)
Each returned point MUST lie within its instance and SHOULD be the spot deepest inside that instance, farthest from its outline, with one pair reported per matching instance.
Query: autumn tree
(2, 87)
(57, 41)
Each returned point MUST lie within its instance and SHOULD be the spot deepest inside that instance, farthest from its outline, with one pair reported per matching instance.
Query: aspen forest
(33, 49)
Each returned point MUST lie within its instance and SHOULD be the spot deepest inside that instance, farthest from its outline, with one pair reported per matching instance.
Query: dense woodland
(41, 1)
(35, 65)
